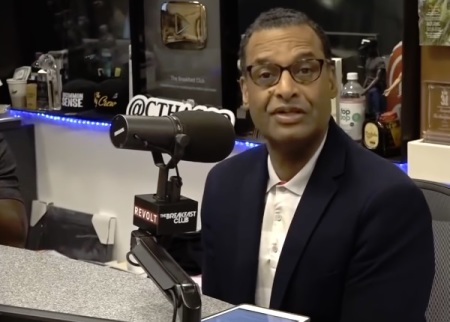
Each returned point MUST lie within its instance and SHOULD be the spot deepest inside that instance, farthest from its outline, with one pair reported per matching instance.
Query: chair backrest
(438, 199)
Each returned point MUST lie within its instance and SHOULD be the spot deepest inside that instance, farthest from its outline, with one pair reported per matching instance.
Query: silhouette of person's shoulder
(9, 185)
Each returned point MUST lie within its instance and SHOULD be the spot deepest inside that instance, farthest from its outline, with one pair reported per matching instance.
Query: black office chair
(438, 198)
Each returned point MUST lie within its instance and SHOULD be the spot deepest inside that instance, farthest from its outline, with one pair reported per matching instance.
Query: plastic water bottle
(352, 107)
(107, 43)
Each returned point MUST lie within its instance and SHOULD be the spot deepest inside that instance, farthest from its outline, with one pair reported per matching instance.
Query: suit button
(278, 217)
(275, 249)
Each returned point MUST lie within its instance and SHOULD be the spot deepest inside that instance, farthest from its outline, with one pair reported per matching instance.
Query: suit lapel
(319, 191)
(251, 202)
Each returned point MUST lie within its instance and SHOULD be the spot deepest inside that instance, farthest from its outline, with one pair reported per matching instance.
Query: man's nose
(287, 87)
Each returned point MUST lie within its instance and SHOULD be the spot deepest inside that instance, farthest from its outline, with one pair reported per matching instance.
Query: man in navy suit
(310, 222)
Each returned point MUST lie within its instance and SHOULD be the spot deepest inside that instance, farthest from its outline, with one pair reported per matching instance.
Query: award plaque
(184, 25)
(436, 100)
(186, 50)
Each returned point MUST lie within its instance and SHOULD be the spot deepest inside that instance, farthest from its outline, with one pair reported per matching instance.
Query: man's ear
(332, 81)
(244, 92)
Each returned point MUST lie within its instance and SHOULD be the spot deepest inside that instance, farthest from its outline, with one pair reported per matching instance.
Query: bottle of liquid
(32, 84)
(32, 92)
(43, 92)
(47, 82)
(106, 43)
(352, 107)
(383, 136)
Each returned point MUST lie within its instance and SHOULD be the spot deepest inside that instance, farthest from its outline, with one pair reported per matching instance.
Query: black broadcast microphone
(210, 135)
(197, 136)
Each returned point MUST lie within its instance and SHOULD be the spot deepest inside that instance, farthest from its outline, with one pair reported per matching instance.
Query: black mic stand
(159, 216)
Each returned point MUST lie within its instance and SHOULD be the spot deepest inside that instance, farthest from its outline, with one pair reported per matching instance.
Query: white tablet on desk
(251, 313)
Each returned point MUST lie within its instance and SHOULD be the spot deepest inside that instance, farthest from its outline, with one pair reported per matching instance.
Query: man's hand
(13, 223)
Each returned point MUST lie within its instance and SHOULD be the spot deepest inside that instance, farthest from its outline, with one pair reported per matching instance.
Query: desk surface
(42, 281)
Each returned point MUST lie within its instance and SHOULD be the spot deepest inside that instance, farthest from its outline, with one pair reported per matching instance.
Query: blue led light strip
(61, 119)
(77, 122)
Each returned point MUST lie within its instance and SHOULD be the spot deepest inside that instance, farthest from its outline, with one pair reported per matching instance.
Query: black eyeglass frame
(321, 62)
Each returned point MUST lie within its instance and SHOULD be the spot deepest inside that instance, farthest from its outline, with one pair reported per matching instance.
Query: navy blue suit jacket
(359, 248)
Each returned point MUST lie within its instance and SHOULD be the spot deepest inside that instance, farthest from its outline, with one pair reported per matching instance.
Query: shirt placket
(277, 227)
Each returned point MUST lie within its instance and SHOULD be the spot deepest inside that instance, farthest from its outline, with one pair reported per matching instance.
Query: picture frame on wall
(434, 22)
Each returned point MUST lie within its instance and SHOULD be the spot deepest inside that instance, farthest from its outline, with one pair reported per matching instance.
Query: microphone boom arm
(171, 279)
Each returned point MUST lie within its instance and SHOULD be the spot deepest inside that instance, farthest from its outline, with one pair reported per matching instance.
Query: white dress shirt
(282, 200)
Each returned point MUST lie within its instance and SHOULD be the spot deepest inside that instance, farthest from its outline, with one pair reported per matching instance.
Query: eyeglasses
(304, 71)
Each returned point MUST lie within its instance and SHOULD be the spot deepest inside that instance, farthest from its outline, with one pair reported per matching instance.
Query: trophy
(394, 73)
(191, 49)
(436, 98)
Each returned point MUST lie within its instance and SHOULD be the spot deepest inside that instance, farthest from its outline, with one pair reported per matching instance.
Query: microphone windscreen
(211, 135)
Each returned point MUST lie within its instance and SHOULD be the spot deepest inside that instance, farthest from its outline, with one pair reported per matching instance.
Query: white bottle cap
(352, 76)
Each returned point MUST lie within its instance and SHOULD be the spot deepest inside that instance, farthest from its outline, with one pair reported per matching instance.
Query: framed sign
(434, 22)
(436, 96)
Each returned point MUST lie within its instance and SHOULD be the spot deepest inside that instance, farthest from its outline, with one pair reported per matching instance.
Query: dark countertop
(8, 122)
(42, 281)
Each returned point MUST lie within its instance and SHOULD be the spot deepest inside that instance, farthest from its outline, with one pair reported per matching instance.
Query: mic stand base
(160, 217)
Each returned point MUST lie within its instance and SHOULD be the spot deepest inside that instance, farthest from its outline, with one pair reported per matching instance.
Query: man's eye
(264, 74)
(305, 70)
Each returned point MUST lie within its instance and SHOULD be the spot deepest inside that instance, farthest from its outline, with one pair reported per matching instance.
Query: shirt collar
(298, 183)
